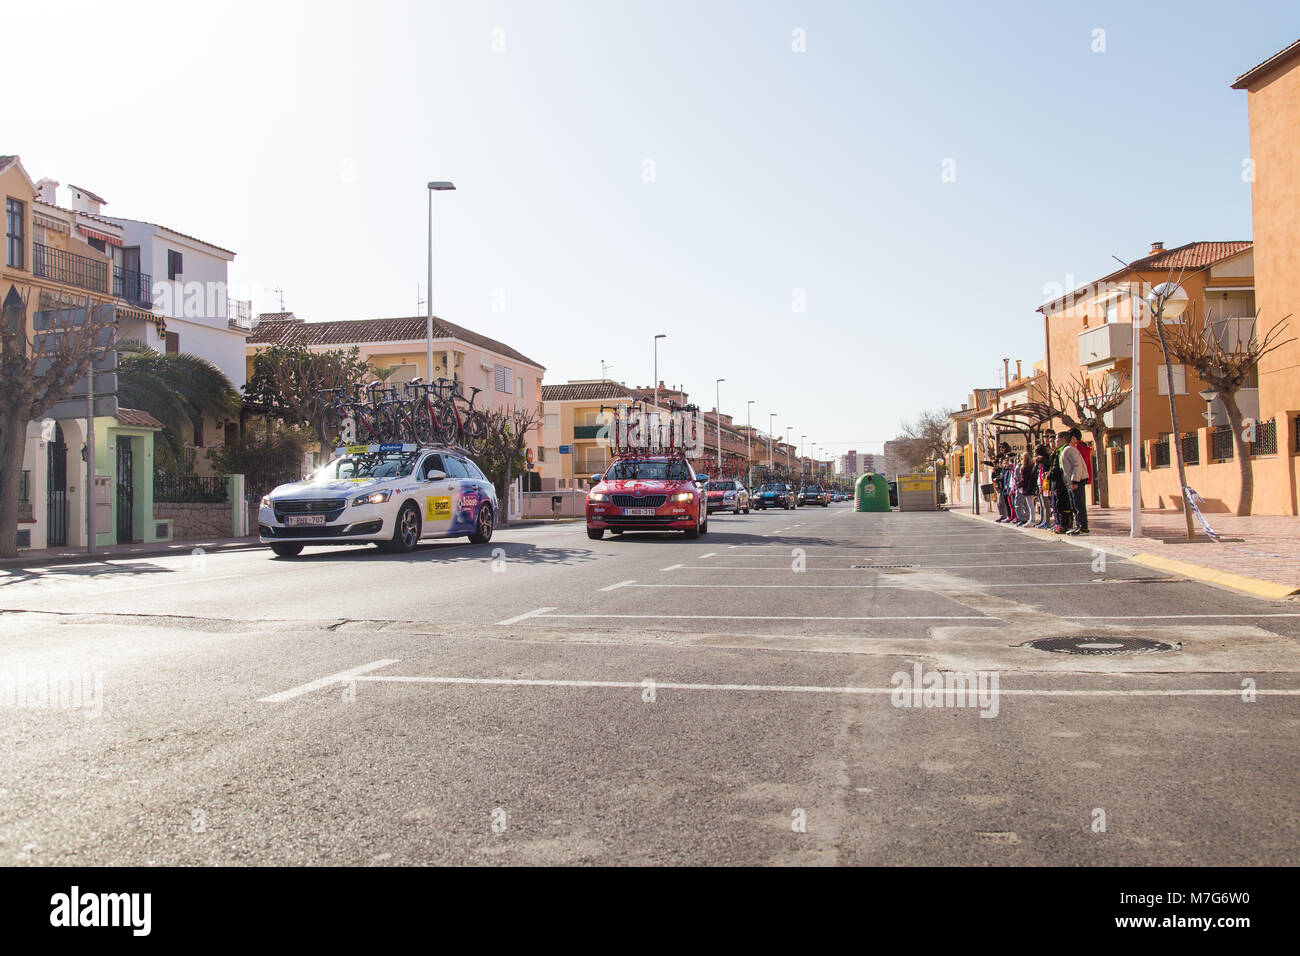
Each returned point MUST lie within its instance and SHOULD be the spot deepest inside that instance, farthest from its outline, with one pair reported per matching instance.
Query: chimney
(47, 190)
(1156, 247)
(963, 406)
(1006, 372)
(1017, 370)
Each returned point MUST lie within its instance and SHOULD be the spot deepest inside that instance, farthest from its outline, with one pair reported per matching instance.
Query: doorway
(125, 490)
(56, 494)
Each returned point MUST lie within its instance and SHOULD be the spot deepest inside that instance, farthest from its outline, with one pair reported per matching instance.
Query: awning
(101, 236)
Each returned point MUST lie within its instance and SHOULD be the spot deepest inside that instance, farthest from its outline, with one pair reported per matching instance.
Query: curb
(1256, 587)
(20, 564)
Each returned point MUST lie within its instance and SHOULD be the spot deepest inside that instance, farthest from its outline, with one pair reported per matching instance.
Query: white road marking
(1165, 617)
(711, 554)
(766, 617)
(919, 567)
(523, 617)
(339, 678)
(904, 587)
(614, 587)
(816, 689)
(671, 567)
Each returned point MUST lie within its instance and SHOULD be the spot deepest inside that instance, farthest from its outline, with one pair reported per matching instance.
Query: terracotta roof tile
(585, 392)
(1255, 72)
(1190, 256)
(345, 332)
(137, 419)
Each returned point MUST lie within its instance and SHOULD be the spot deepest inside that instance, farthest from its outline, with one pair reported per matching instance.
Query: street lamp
(749, 451)
(1166, 299)
(788, 430)
(717, 415)
(769, 438)
(428, 320)
(1209, 395)
(661, 335)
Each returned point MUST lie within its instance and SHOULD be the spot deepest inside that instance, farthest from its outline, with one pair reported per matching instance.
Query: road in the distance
(550, 699)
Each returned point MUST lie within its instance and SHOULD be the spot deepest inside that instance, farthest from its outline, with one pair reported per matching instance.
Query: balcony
(239, 314)
(1106, 343)
(1233, 333)
(69, 268)
(134, 287)
(1121, 417)
(587, 432)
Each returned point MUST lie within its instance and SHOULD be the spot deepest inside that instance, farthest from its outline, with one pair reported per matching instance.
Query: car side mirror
(435, 475)
(594, 479)
(701, 479)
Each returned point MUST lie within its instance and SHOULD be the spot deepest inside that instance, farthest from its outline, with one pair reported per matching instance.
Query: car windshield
(648, 471)
(771, 487)
(395, 465)
(721, 486)
(814, 490)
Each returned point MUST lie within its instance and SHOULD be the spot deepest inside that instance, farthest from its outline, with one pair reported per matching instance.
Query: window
(474, 471)
(198, 432)
(519, 386)
(173, 342)
(15, 216)
(455, 467)
(1180, 379)
(1112, 311)
(401, 375)
(175, 264)
(504, 379)
(432, 463)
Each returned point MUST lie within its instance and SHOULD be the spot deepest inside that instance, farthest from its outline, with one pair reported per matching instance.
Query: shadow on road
(449, 553)
(79, 572)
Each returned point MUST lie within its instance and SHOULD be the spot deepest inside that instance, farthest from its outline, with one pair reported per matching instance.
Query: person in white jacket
(1075, 470)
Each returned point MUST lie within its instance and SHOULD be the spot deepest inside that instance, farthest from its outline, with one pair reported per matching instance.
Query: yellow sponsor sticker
(357, 449)
(435, 508)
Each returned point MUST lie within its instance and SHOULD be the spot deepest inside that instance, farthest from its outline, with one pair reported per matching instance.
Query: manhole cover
(1100, 645)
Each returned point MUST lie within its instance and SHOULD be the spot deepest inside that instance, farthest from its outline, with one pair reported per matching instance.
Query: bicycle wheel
(474, 433)
(421, 423)
(333, 428)
(444, 424)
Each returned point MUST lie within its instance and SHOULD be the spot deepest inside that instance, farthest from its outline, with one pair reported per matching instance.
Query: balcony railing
(1191, 449)
(1162, 452)
(239, 313)
(1106, 343)
(69, 268)
(1265, 442)
(1221, 443)
(135, 287)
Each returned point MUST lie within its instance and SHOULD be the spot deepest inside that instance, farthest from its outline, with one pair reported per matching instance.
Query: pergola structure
(1026, 420)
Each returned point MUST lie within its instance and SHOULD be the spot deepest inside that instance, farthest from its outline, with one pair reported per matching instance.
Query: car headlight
(374, 498)
(684, 496)
(266, 501)
(597, 496)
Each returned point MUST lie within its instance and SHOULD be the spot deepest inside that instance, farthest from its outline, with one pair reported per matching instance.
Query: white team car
(392, 495)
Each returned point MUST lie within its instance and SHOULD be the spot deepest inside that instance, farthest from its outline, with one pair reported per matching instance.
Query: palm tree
(176, 388)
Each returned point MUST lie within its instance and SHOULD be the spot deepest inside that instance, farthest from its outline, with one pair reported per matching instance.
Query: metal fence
(1191, 449)
(189, 489)
(1162, 451)
(1119, 458)
(69, 268)
(1265, 442)
(1221, 443)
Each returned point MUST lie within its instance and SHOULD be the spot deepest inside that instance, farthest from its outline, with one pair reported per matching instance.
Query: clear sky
(625, 168)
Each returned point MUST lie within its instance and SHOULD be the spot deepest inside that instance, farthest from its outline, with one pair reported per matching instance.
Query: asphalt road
(733, 700)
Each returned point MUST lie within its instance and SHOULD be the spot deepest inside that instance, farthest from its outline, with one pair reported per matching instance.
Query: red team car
(648, 493)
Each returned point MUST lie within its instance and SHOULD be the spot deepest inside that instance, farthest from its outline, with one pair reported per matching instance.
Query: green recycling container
(871, 493)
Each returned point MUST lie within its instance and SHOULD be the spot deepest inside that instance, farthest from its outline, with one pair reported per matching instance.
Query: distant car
(648, 493)
(728, 495)
(391, 495)
(814, 495)
(893, 494)
(775, 494)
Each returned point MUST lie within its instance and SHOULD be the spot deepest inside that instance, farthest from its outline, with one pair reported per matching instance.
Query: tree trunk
(505, 497)
(1175, 439)
(13, 431)
(1241, 447)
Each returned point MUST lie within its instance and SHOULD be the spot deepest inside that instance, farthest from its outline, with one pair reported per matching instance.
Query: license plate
(292, 520)
(638, 512)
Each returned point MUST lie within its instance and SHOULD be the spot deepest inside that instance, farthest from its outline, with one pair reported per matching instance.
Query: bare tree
(505, 447)
(925, 441)
(1083, 403)
(37, 369)
(1224, 357)
(292, 382)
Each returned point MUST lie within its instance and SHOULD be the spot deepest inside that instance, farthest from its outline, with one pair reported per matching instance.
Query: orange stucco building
(1273, 98)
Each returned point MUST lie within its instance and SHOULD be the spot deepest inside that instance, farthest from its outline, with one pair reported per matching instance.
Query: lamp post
(1209, 395)
(661, 335)
(788, 430)
(769, 438)
(717, 415)
(1163, 299)
(428, 319)
(749, 451)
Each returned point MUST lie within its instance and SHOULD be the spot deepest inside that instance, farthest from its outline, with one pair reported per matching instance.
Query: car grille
(317, 531)
(331, 508)
(643, 519)
(632, 501)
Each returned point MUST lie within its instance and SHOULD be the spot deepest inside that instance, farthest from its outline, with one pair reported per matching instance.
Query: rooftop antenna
(280, 293)
(603, 366)
(419, 301)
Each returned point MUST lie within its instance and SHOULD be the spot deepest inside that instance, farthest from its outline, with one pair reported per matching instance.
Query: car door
(436, 496)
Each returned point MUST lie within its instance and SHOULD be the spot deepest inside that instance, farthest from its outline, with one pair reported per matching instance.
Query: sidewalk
(1258, 554)
(43, 557)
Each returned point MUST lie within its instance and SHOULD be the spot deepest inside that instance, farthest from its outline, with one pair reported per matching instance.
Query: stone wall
(195, 521)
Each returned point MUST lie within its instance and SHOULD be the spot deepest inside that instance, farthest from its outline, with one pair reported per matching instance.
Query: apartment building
(64, 258)
(1273, 101)
(575, 422)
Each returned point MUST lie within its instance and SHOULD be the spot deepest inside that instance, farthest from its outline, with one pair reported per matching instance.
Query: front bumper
(367, 526)
(666, 518)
